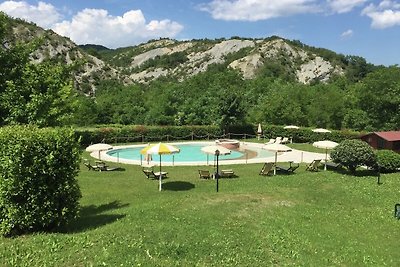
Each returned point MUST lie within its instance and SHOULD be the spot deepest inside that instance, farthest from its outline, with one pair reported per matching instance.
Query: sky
(365, 28)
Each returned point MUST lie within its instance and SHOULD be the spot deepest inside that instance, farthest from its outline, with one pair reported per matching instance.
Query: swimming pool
(190, 154)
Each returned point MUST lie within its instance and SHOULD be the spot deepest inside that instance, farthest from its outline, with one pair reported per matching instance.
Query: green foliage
(388, 160)
(354, 153)
(139, 133)
(379, 97)
(42, 95)
(38, 188)
(30, 93)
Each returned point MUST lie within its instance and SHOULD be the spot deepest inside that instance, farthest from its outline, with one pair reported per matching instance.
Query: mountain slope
(273, 56)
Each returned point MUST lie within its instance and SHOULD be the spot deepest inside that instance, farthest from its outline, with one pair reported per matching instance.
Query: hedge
(38, 189)
(145, 134)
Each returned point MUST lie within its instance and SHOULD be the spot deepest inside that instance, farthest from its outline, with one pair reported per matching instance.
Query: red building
(383, 140)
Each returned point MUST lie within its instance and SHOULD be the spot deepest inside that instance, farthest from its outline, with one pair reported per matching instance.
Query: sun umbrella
(259, 131)
(321, 130)
(277, 148)
(291, 127)
(98, 147)
(216, 151)
(326, 144)
(159, 149)
(211, 149)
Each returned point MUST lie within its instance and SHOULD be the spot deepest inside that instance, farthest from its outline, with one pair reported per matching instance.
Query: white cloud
(96, 26)
(347, 34)
(43, 14)
(385, 15)
(254, 10)
(344, 6)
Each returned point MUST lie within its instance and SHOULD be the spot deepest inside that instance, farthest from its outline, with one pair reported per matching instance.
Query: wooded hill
(219, 82)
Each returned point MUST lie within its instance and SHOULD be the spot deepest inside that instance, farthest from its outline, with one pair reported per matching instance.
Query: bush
(354, 153)
(38, 189)
(388, 160)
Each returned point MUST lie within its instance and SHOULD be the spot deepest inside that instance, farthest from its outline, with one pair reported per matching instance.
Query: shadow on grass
(358, 173)
(90, 217)
(177, 186)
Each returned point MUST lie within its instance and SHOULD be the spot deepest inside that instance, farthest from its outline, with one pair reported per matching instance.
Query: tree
(379, 97)
(42, 95)
(30, 93)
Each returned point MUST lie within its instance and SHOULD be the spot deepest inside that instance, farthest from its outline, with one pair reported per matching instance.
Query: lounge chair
(203, 174)
(271, 141)
(90, 166)
(155, 175)
(333, 165)
(278, 140)
(288, 169)
(227, 173)
(313, 166)
(285, 140)
(101, 166)
(267, 168)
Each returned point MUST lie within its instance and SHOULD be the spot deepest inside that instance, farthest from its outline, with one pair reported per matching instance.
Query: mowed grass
(323, 218)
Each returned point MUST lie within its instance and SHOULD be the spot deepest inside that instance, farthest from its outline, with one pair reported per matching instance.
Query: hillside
(182, 59)
(178, 60)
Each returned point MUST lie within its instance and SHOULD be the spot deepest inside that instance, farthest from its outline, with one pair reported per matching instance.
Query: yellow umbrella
(159, 149)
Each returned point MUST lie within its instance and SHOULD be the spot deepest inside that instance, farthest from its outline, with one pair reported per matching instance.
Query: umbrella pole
(326, 158)
(276, 158)
(160, 178)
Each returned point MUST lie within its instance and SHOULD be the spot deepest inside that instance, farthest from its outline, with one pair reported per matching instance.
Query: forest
(365, 97)
(221, 97)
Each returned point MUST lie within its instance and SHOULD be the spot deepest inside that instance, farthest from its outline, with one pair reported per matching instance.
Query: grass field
(323, 218)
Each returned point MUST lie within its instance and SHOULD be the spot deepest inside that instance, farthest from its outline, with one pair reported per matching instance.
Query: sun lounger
(288, 169)
(278, 140)
(313, 166)
(227, 173)
(267, 168)
(271, 141)
(90, 166)
(333, 165)
(151, 174)
(204, 174)
(285, 140)
(102, 166)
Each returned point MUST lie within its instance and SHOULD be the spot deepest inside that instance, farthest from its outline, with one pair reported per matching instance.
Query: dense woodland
(367, 97)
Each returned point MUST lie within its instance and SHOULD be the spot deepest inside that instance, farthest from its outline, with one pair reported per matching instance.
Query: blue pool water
(189, 153)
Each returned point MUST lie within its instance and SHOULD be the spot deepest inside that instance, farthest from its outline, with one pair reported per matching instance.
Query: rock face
(306, 67)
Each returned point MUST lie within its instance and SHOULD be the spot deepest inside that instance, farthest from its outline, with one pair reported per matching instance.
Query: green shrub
(388, 160)
(354, 153)
(38, 189)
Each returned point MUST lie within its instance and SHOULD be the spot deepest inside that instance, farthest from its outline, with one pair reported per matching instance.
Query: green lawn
(305, 219)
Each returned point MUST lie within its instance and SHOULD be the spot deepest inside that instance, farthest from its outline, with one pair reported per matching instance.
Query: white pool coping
(296, 156)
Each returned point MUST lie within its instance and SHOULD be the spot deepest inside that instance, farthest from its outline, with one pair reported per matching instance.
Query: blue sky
(366, 28)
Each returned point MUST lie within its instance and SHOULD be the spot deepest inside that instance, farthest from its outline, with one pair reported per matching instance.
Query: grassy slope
(309, 219)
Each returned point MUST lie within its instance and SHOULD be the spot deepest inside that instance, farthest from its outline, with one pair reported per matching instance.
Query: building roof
(389, 136)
